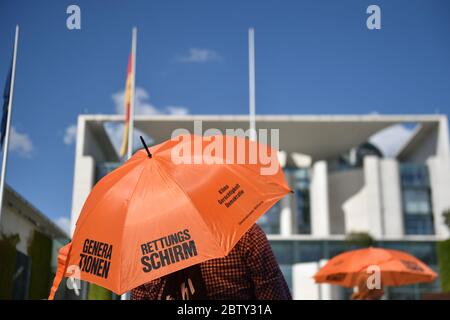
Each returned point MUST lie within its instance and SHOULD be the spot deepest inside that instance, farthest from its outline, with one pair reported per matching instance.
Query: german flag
(127, 106)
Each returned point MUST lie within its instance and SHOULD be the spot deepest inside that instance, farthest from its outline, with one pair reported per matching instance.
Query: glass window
(301, 181)
(103, 168)
(417, 201)
(309, 251)
(303, 211)
(334, 248)
(418, 213)
(416, 224)
(270, 221)
(414, 175)
(283, 251)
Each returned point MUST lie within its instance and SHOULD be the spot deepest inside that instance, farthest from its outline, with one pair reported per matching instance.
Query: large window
(416, 194)
(301, 181)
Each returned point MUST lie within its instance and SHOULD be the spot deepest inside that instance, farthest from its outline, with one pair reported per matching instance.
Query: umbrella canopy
(396, 267)
(189, 200)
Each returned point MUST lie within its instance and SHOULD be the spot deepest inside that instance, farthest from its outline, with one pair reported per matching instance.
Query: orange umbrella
(396, 267)
(158, 213)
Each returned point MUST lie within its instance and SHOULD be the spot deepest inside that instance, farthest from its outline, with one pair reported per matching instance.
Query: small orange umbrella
(396, 267)
(158, 213)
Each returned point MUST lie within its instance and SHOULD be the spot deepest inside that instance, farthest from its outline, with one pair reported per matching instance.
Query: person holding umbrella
(390, 267)
(187, 226)
(249, 271)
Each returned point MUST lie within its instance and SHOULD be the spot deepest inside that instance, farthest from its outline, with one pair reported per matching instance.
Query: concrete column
(84, 175)
(305, 288)
(356, 217)
(286, 221)
(82, 185)
(373, 206)
(443, 143)
(392, 198)
(439, 172)
(320, 214)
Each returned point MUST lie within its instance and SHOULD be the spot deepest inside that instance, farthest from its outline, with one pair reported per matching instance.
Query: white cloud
(177, 110)
(196, 55)
(63, 223)
(20, 143)
(391, 139)
(70, 135)
(142, 104)
(143, 107)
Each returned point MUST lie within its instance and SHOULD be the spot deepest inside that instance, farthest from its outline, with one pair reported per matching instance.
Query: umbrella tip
(145, 146)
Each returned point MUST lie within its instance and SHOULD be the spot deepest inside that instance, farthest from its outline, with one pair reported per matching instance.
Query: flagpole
(126, 296)
(251, 78)
(8, 121)
(132, 100)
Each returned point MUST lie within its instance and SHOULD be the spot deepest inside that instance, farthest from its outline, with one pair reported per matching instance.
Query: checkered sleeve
(265, 273)
(148, 291)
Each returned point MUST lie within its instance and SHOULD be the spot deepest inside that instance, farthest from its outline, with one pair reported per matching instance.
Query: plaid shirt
(249, 271)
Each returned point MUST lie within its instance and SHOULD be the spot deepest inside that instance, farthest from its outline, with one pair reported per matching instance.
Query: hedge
(7, 265)
(443, 250)
(40, 252)
(98, 293)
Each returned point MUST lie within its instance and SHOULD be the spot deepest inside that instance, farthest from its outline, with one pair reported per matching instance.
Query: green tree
(360, 239)
(446, 215)
(443, 250)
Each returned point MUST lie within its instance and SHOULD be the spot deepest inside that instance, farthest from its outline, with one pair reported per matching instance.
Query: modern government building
(343, 185)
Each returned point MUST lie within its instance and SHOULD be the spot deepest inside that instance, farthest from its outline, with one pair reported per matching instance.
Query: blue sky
(312, 57)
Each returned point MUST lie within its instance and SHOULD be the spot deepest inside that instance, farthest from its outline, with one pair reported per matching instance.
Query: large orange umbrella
(396, 267)
(158, 213)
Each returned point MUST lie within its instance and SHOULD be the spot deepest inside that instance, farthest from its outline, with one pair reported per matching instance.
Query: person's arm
(265, 273)
(148, 291)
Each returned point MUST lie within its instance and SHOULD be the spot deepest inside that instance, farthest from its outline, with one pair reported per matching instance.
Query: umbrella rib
(189, 199)
(123, 229)
(85, 215)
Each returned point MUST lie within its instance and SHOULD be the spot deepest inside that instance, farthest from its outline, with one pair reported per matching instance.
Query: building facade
(343, 185)
(29, 243)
